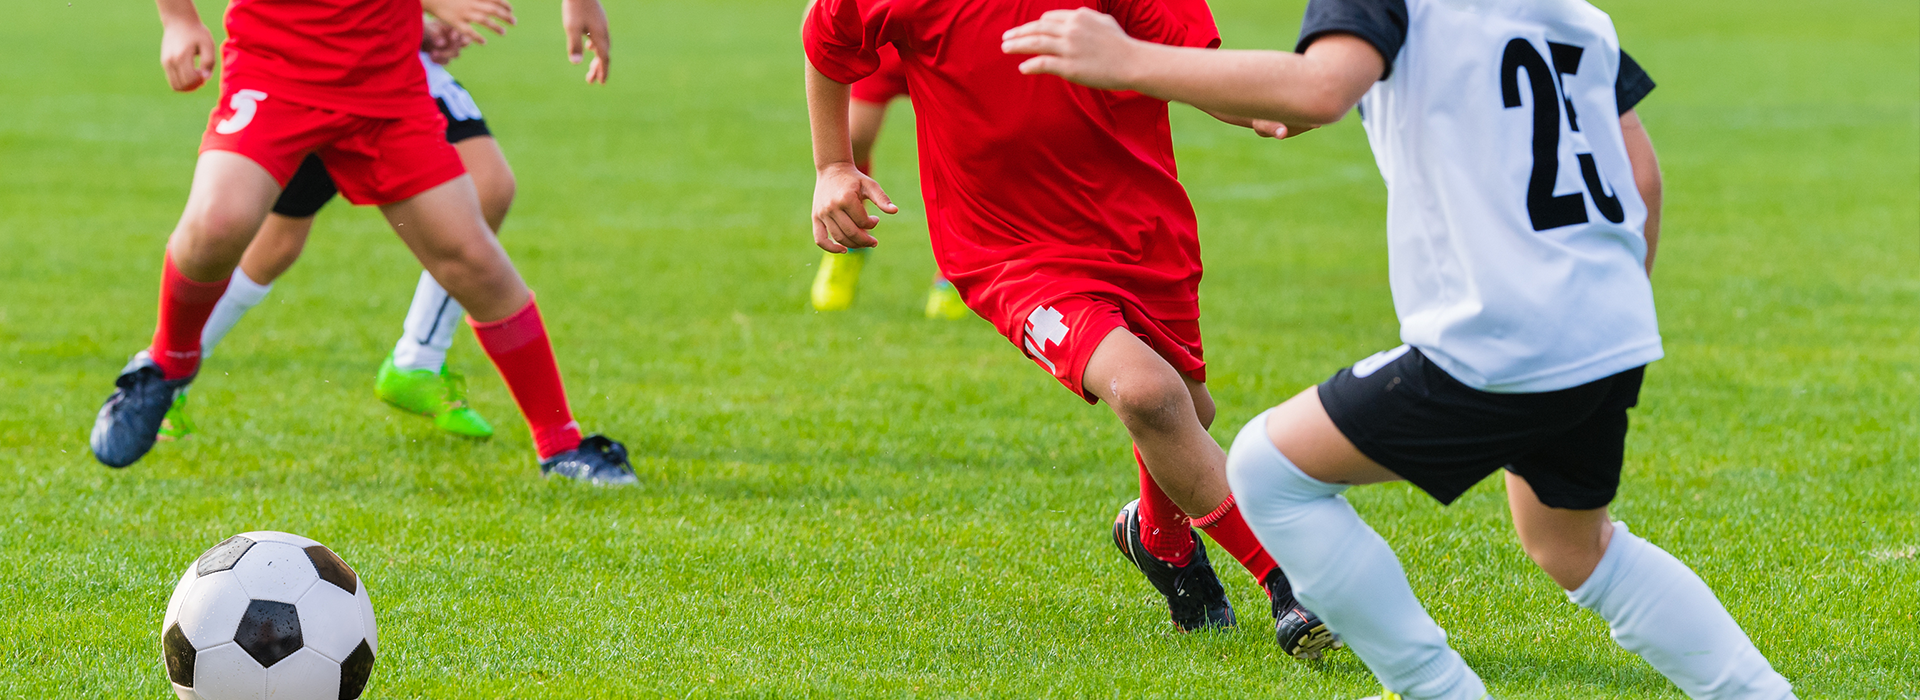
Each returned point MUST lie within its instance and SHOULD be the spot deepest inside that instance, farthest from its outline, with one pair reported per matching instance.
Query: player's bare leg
(447, 232)
(839, 276)
(230, 197)
(1183, 485)
(415, 376)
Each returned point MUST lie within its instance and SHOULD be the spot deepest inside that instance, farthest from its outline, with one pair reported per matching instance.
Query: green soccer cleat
(943, 301)
(839, 274)
(176, 426)
(441, 396)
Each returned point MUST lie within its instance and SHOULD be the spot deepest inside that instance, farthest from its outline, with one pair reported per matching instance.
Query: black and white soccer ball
(269, 615)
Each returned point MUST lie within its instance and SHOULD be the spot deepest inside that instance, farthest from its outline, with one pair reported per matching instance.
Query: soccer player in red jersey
(1055, 211)
(341, 79)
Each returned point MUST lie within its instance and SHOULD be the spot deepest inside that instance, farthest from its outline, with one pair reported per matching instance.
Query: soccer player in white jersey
(414, 377)
(1523, 202)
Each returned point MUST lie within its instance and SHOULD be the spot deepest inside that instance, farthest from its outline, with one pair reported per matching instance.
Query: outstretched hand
(586, 25)
(462, 15)
(840, 218)
(1081, 45)
(442, 42)
(186, 53)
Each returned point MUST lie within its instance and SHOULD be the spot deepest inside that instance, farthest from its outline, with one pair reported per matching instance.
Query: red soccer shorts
(373, 161)
(887, 82)
(1061, 336)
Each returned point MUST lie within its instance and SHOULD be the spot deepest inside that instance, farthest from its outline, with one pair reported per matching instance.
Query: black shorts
(1443, 436)
(311, 187)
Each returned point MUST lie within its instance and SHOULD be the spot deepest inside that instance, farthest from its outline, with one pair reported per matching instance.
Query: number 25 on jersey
(1546, 209)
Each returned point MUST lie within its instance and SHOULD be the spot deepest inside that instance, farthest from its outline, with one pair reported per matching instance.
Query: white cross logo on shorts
(1044, 326)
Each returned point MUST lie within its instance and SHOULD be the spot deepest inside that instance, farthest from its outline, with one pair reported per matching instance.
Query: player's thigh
(1301, 429)
(865, 119)
(492, 177)
(1565, 543)
(444, 229)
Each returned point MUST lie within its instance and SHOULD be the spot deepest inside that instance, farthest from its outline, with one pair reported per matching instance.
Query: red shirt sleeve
(838, 41)
(1170, 22)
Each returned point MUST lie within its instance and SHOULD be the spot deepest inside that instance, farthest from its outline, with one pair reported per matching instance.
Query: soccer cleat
(1300, 633)
(1194, 595)
(839, 274)
(599, 460)
(440, 395)
(943, 301)
(129, 422)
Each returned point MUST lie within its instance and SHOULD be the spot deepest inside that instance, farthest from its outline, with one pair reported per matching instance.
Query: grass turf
(868, 503)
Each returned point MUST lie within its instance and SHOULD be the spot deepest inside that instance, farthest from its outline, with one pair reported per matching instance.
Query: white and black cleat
(129, 422)
(1195, 598)
(599, 460)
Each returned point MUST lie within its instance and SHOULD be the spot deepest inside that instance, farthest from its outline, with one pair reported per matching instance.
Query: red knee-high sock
(519, 348)
(1164, 528)
(184, 308)
(1230, 530)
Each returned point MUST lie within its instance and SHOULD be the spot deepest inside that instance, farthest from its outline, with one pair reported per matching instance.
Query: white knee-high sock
(429, 328)
(1658, 608)
(1344, 572)
(242, 294)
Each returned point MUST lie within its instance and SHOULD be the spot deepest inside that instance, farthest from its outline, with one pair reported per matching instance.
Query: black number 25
(1547, 209)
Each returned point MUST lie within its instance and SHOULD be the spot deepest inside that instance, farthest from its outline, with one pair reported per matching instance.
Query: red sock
(1164, 528)
(184, 308)
(1227, 528)
(519, 348)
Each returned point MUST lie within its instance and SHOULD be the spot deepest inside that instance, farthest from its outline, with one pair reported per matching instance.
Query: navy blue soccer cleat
(599, 460)
(1195, 598)
(130, 421)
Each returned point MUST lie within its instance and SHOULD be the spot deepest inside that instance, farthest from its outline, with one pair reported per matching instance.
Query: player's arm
(1646, 176)
(186, 48)
(840, 191)
(1303, 90)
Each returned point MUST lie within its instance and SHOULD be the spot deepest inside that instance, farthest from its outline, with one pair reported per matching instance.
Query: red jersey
(1036, 188)
(352, 56)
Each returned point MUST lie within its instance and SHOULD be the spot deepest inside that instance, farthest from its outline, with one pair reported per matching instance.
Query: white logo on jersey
(243, 104)
(1044, 326)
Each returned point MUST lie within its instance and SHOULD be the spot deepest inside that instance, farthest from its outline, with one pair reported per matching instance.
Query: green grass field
(873, 504)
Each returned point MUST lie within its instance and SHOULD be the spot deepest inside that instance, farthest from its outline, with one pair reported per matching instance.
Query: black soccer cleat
(1194, 595)
(130, 421)
(599, 460)
(1300, 633)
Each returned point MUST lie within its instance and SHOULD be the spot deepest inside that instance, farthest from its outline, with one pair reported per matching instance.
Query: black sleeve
(1382, 23)
(1632, 84)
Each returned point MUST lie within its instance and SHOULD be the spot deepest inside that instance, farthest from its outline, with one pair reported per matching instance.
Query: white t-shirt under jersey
(1514, 228)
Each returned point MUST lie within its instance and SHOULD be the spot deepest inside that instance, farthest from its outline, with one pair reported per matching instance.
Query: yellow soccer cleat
(943, 301)
(839, 274)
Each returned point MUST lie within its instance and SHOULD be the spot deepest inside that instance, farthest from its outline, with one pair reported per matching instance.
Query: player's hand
(442, 42)
(186, 52)
(840, 218)
(462, 15)
(1081, 45)
(586, 24)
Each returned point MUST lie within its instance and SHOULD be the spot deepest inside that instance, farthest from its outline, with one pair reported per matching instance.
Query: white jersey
(1514, 228)
(448, 91)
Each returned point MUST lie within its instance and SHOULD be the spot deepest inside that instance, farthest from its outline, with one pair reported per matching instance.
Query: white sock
(1658, 608)
(429, 329)
(242, 294)
(1344, 572)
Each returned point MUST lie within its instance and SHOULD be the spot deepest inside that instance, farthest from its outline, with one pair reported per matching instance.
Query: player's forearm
(827, 105)
(1318, 87)
(173, 12)
(1646, 176)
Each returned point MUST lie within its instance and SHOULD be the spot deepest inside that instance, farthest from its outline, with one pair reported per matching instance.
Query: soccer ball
(269, 615)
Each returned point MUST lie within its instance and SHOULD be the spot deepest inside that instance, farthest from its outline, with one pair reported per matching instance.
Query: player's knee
(1567, 562)
(496, 196)
(1151, 404)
